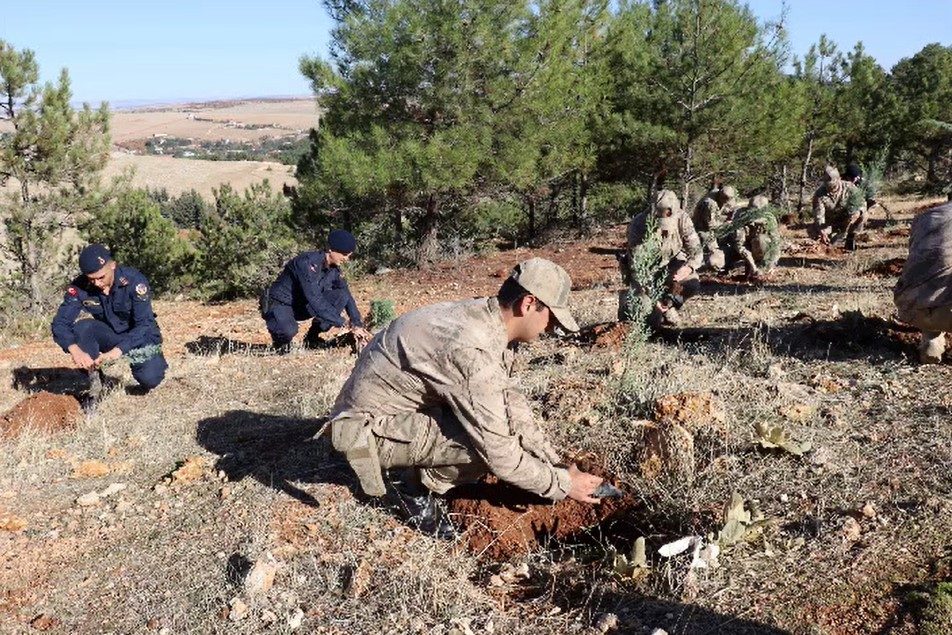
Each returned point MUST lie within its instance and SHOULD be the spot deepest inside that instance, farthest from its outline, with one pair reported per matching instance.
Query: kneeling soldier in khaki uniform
(434, 391)
(923, 294)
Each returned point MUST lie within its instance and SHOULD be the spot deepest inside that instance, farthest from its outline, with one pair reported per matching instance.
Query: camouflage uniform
(708, 216)
(923, 294)
(435, 390)
(838, 206)
(680, 246)
(754, 242)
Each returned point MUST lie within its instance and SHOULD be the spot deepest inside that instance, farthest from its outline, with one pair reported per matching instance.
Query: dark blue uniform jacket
(127, 309)
(304, 282)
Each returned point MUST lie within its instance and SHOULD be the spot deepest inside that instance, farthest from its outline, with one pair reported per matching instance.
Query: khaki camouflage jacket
(926, 280)
(679, 241)
(708, 215)
(844, 201)
(455, 355)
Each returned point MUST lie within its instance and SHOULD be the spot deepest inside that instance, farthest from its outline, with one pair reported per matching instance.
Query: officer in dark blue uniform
(311, 286)
(119, 299)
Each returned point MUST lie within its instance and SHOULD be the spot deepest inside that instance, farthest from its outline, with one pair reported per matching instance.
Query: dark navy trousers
(96, 337)
(282, 320)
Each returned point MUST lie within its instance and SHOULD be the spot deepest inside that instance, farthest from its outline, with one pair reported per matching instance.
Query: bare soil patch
(890, 268)
(41, 411)
(501, 522)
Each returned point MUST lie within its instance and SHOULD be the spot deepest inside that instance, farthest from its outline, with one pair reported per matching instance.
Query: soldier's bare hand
(81, 359)
(109, 356)
(360, 332)
(583, 484)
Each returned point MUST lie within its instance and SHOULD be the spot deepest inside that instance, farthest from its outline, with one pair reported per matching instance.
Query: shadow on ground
(851, 336)
(58, 380)
(276, 451)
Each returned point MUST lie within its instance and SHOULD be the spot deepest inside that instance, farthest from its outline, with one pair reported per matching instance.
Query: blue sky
(155, 50)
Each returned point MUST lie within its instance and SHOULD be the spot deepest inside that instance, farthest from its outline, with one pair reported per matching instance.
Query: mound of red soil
(41, 411)
(500, 522)
(887, 268)
(607, 335)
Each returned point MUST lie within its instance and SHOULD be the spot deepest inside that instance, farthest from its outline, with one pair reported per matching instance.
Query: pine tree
(54, 156)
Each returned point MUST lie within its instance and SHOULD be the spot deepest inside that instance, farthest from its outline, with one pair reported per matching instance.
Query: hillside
(214, 476)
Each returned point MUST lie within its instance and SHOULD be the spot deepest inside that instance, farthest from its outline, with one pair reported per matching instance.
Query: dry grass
(167, 557)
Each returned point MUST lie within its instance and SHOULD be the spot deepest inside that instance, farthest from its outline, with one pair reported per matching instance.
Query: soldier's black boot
(850, 243)
(419, 508)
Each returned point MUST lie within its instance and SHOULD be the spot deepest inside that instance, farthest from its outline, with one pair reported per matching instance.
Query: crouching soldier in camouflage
(839, 209)
(433, 391)
(672, 235)
(119, 301)
(753, 237)
(923, 295)
(710, 213)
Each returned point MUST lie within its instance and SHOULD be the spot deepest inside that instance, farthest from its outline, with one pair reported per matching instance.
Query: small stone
(115, 488)
(123, 506)
(295, 619)
(260, 578)
(44, 622)
(269, 617)
(851, 529)
(869, 511)
(160, 488)
(238, 610)
(660, 631)
(153, 624)
(224, 492)
(88, 500)
(606, 622)
(90, 469)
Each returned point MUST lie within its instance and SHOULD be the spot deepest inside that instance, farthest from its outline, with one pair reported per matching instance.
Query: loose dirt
(887, 268)
(501, 522)
(41, 411)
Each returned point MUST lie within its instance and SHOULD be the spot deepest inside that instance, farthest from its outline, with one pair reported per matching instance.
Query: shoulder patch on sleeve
(123, 281)
(142, 289)
(71, 290)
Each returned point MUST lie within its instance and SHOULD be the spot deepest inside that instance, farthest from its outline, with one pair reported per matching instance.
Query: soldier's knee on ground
(282, 326)
(931, 347)
(150, 373)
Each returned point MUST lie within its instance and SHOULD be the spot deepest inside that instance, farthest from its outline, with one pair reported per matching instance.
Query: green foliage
(769, 219)
(54, 157)
(245, 241)
(382, 312)
(646, 277)
(935, 609)
(133, 227)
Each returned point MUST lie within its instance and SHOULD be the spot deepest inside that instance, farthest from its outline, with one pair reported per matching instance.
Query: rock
(123, 506)
(851, 529)
(260, 578)
(869, 511)
(11, 522)
(268, 616)
(88, 500)
(238, 610)
(193, 468)
(696, 412)
(153, 624)
(160, 488)
(295, 619)
(668, 451)
(90, 469)
(382, 270)
(659, 631)
(606, 622)
(115, 488)
(44, 622)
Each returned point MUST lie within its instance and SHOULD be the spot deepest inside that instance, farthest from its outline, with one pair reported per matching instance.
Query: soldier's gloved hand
(80, 358)
(583, 485)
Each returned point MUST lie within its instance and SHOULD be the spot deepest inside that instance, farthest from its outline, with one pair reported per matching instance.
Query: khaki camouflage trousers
(432, 441)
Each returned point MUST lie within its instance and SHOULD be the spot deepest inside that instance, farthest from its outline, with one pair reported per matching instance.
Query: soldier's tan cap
(831, 174)
(666, 199)
(729, 192)
(550, 283)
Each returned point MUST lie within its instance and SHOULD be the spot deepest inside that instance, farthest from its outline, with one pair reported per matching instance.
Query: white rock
(295, 619)
(268, 617)
(678, 546)
(261, 577)
(115, 488)
(238, 610)
(88, 500)
(659, 631)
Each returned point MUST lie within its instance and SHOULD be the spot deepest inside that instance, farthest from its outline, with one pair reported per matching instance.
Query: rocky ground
(783, 438)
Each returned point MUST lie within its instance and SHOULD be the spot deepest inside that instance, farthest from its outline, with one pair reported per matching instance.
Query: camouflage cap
(831, 174)
(550, 283)
(666, 199)
(760, 201)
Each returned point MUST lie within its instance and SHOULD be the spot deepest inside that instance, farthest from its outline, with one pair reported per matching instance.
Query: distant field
(182, 175)
(211, 122)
